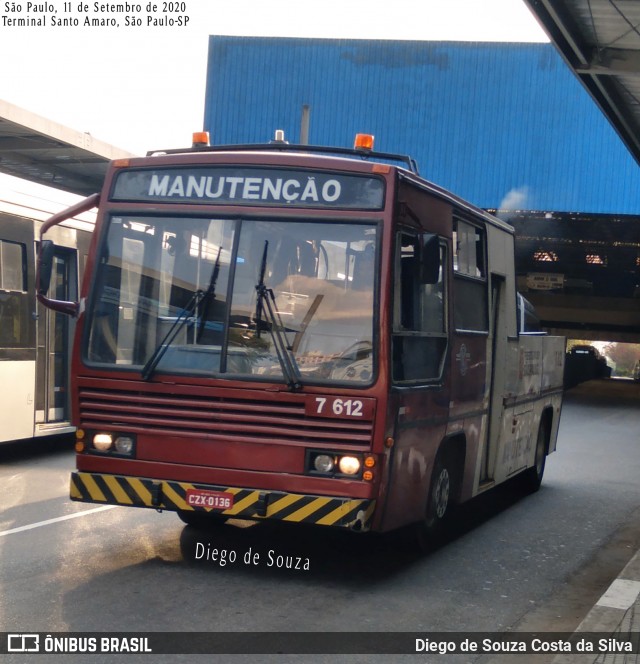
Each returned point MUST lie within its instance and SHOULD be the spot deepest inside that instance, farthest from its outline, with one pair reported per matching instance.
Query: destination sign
(221, 185)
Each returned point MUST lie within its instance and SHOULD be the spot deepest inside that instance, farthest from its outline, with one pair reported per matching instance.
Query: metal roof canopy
(600, 41)
(42, 151)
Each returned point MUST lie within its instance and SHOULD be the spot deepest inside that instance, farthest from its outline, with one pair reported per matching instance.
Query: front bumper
(355, 514)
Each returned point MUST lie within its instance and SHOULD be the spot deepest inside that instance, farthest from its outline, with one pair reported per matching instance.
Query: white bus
(35, 342)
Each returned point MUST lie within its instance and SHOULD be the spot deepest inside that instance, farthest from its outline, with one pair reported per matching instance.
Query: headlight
(334, 464)
(349, 465)
(112, 444)
(124, 445)
(102, 441)
(323, 463)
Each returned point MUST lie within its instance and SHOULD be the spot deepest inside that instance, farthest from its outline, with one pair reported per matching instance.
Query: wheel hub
(441, 493)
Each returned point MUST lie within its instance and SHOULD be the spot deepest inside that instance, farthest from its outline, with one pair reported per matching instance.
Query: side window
(12, 266)
(470, 277)
(14, 313)
(419, 326)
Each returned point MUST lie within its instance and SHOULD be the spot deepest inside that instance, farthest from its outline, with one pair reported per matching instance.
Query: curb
(616, 612)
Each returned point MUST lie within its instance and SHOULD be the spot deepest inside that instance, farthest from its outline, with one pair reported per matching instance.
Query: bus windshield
(187, 296)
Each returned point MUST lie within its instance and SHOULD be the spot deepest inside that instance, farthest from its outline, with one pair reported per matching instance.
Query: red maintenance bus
(313, 335)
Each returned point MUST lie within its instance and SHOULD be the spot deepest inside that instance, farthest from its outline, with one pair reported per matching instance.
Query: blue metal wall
(502, 125)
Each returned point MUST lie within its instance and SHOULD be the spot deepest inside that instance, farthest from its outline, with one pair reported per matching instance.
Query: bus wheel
(532, 477)
(438, 504)
(201, 520)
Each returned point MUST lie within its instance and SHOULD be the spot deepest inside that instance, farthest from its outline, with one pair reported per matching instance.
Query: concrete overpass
(600, 41)
(36, 149)
(581, 272)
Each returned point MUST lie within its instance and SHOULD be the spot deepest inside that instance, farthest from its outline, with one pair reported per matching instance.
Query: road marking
(75, 515)
(622, 593)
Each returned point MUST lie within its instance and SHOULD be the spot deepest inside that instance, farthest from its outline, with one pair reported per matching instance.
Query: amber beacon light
(200, 138)
(363, 142)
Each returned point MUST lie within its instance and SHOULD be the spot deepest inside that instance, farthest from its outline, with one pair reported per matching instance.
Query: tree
(624, 356)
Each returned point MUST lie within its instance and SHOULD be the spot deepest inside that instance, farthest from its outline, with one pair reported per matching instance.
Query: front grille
(278, 420)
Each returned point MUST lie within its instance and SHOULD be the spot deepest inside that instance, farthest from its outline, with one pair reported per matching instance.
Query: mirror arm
(84, 205)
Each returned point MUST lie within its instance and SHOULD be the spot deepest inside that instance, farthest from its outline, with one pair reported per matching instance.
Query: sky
(141, 87)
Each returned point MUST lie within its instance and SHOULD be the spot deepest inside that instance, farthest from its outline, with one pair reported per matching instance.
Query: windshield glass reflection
(181, 296)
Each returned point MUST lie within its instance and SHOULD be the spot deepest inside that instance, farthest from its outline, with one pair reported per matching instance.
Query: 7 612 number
(339, 407)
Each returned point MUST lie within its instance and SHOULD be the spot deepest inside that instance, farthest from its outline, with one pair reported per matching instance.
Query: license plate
(215, 500)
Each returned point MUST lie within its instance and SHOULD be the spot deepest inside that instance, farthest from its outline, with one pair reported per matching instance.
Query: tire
(532, 477)
(439, 494)
(201, 520)
(439, 503)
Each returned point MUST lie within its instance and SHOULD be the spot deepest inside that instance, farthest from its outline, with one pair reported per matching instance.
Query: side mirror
(46, 255)
(45, 266)
(44, 270)
(429, 258)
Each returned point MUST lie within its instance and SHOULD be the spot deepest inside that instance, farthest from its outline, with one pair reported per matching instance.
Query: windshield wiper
(197, 298)
(209, 296)
(169, 337)
(266, 302)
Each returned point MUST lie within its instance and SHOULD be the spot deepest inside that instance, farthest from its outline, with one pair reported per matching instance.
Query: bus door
(54, 347)
(420, 389)
(496, 365)
(506, 420)
(17, 331)
(472, 369)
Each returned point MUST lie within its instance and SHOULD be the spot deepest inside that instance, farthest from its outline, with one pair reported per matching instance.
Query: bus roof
(405, 166)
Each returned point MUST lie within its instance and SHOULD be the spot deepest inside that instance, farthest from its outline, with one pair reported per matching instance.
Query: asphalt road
(512, 563)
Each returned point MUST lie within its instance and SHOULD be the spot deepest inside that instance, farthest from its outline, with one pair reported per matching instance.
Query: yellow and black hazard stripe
(247, 503)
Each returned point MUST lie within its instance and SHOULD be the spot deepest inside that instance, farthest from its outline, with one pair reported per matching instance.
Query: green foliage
(623, 356)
